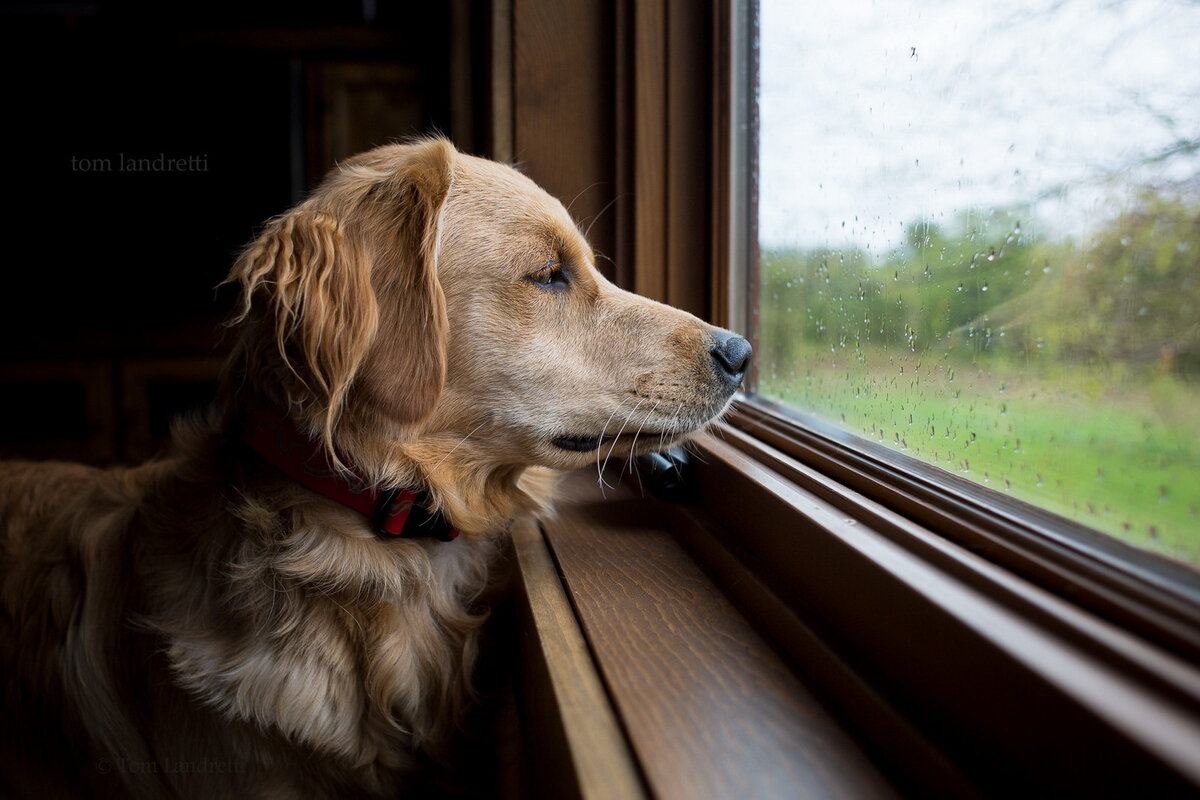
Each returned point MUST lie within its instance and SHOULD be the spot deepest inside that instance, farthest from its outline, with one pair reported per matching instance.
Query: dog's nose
(732, 354)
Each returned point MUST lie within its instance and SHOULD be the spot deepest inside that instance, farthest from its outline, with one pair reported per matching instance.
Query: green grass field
(1117, 452)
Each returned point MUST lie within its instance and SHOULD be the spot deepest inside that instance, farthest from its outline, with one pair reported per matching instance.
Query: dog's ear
(350, 279)
(406, 370)
(320, 310)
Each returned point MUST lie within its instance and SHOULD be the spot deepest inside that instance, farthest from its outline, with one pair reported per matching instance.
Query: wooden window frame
(1157, 596)
(957, 642)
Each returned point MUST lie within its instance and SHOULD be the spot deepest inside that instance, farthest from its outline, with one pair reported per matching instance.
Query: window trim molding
(1149, 594)
(735, 195)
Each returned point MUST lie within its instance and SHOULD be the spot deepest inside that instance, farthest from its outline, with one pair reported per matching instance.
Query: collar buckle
(402, 512)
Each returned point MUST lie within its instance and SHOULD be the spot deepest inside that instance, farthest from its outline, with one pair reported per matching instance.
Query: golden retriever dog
(421, 346)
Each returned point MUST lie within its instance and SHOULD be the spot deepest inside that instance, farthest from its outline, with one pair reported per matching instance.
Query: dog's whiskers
(694, 449)
(662, 437)
(613, 446)
(633, 447)
(600, 214)
(599, 468)
(581, 193)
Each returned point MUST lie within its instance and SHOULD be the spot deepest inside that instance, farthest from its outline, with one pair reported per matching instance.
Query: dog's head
(421, 293)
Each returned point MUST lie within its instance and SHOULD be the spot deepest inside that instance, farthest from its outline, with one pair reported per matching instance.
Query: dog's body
(214, 632)
(202, 625)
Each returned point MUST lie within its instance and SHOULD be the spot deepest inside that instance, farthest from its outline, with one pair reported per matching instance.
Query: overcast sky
(877, 114)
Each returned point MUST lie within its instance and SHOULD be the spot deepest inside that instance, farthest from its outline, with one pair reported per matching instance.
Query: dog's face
(486, 317)
(555, 361)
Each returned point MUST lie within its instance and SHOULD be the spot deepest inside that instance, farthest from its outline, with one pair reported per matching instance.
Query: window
(978, 231)
(962, 649)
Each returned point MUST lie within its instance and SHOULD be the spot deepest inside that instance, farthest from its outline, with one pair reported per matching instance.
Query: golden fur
(200, 626)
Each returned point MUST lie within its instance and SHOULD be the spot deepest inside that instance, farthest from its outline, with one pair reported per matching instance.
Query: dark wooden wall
(109, 322)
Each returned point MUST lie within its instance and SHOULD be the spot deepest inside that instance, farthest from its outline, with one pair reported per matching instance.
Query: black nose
(732, 355)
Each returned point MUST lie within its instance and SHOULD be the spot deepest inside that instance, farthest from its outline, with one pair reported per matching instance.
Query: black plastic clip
(669, 476)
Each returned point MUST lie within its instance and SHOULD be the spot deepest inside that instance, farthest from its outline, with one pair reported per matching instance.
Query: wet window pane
(979, 235)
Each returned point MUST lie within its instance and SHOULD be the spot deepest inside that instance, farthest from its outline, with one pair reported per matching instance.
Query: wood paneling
(650, 148)
(354, 106)
(501, 81)
(612, 114)
(154, 392)
(58, 409)
(664, 134)
(689, 45)
(563, 84)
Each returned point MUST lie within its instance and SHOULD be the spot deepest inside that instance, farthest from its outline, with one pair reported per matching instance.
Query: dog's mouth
(586, 444)
(581, 444)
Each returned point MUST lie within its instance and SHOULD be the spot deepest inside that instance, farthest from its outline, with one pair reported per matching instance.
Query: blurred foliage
(987, 286)
(1132, 296)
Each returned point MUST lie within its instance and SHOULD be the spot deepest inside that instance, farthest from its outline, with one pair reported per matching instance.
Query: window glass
(979, 244)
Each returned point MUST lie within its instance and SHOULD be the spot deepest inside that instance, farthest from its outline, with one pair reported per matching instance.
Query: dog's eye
(551, 275)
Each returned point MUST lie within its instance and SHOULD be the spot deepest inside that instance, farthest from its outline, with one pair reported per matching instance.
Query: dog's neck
(393, 511)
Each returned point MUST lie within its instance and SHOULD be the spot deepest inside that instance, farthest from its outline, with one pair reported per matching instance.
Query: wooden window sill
(787, 636)
(648, 681)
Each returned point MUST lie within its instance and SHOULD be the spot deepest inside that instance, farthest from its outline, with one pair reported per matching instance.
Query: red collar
(393, 512)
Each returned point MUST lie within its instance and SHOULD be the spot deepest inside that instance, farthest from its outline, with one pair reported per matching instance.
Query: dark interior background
(109, 316)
